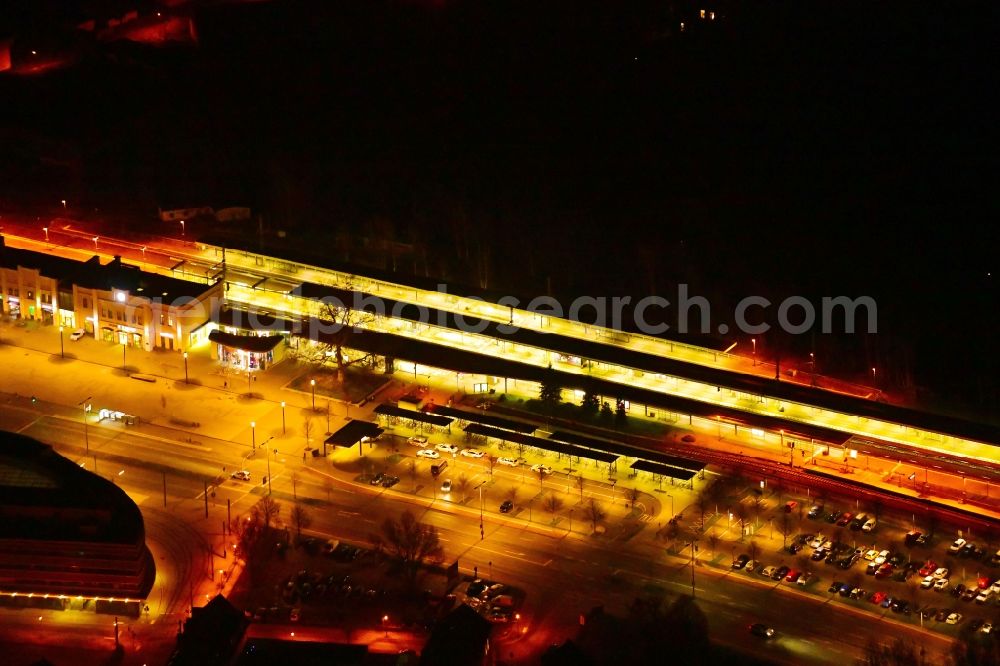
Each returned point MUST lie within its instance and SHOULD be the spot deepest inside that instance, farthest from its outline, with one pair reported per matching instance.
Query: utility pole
(206, 499)
(164, 489)
(694, 549)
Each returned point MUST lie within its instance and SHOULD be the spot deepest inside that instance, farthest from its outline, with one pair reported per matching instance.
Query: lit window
(702, 13)
(757, 432)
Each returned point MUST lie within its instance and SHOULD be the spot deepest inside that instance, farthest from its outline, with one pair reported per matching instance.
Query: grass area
(357, 385)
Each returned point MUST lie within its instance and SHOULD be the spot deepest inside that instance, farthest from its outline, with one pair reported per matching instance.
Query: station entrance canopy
(541, 443)
(663, 470)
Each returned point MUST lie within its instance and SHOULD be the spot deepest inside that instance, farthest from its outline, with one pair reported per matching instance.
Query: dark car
(911, 537)
(741, 561)
(942, 615)
(845, 589)
(794, 547)
(844, 519)
(958, 590)
(508, 505)
(780, 573)
(377, 479)
(818, 554)
(815, 512)
(835, 587)
(389, 481)
(762, 630)
(832, 516)
(848, 561)
(967, 550)
(897, 560)
(900, 606)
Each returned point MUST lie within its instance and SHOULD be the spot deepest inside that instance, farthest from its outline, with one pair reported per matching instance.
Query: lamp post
(268, 454)
(185, 367)
(95, 241)
(253, 435)
(62, 348)
(64, 204)
(812, 362)
(182, 227)
(672, 514)
(282, 417)
(874, 378)
(46, 230)
(85, 403)
(312, 383)
(754, 341)
(124, 369)
(385, 625)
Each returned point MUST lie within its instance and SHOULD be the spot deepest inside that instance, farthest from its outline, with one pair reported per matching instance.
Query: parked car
(819, 554)
(804, 578)
(544, 469)
(940, 572)
(388, 481)
(761, 630)
(987, 628)
(428, 453)
(793, 576)
(446, 486)
(878, 597)
(77, 334)
(241, 475)
(884, 571)
(473, 453)
(794, 547)
(417, 440)
(834, 587)
(817, 541)
(968, 550)
(970, 593)
(957, 545)
(377, 479)
(958, 590)
(941, 584)
(927, 582)
(869, 525)
(911, 537)
(954, 618)
(780, 573)
(768, 571)
(509, 462)
(751, 566)
(832, 517)
(871, 554)
(741, 561)
(790, 506)
(446, 448)
(858, 521)
(983, 596)
(881, 557)
(929, 567)
(844, 519)
(506, 506)
(815, 512)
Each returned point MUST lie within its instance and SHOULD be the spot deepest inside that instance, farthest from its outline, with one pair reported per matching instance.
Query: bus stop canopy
(541, 443)
(352, 433)
(663, 470)
(385, 409)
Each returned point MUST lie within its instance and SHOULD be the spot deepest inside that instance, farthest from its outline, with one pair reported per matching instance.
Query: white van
(869, 525)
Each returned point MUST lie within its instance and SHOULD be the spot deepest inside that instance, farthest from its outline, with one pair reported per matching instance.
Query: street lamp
(268, 455)
(312, 383)
(123, 357)
(62, 348)
(64, 204)
(85, 403)
(95, 241)
(46, 230)
(185, 367)
(672, 514)
(874, 379)
(182, 227)
(385, 625)
(282, 417)
(253, 435)
(754, 341)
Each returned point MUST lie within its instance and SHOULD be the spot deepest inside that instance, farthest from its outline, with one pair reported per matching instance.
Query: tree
(753, 549)
(541, 478)
(511, 494)
(632, 494)
(268, 510)
(579, 484)
(492, 461)
(340, 323)
(621, 414)
(786, 528)
(463, 485)
(411, 542)
(606, 414)
(590, 404)
(713, 542)
(594, 512)
(899, 653)
(740, 513)
(552, 503)
(758, 506)
(301, 519)
(308, 427)
(411, 468)
(551, 390)
(701, 503)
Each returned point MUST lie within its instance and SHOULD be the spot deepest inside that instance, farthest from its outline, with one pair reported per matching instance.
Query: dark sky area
(827, 148)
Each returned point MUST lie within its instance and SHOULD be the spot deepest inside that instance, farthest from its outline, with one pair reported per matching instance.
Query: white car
(751, 565)
(995, 587)
(427, 453)
(954, 618)
(77, 334)
(417, 440)
(510, 462)
(543, 469)
(869, 525)
(957, 546)
(805, 578)
(447, 448)
(817, 541)
(241, 475)
(446, 486)
(941, 584)
(940, 572)
(983, 596)
(473, 453)
(927, 582)
(767, 572)
(987, 628)
(881, 557)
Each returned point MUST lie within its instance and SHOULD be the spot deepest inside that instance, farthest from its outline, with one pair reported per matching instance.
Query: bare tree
(411, 542)
(740, 512)
(787, 528)
(462, 482)
(579, 484)
(491, 461)
(632, 494)
(713, 542)
(552, 503)
(308, 428)
(411, 468)
(511, 494)
(595, 512)
(301, 519)
(295, 482)
(345, 323)
(268, 510)
(701, 503)
(541, 478)
(758, 506)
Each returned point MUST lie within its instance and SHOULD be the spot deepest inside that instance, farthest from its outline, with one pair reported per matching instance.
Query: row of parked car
(857, 522)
